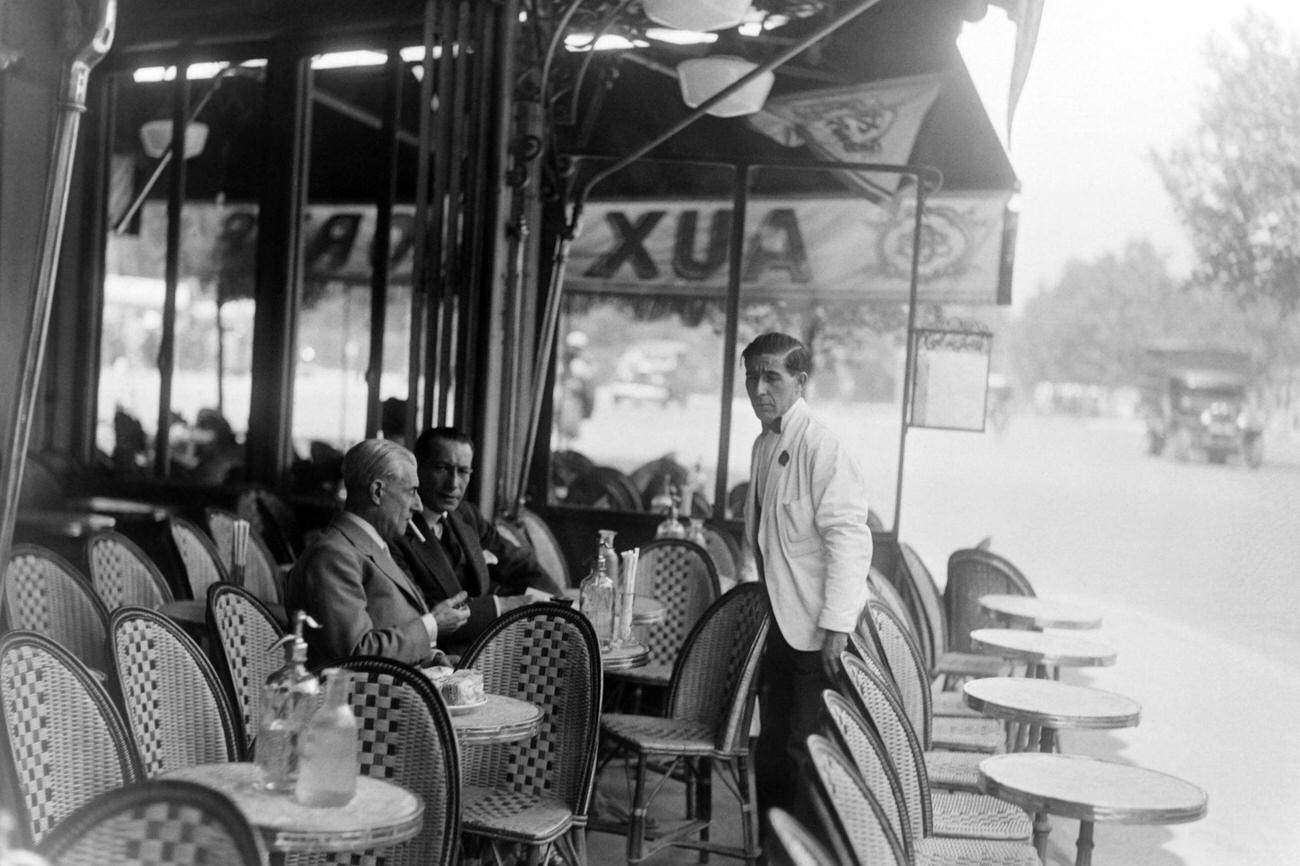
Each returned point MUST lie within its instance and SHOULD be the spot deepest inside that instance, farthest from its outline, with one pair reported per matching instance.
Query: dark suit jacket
(428, 563)
(363, 601)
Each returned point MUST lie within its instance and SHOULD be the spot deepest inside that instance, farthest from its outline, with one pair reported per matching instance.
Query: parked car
(650, 371)
(1196, 403)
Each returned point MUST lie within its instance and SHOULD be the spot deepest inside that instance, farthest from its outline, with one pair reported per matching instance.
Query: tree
(1235, 182)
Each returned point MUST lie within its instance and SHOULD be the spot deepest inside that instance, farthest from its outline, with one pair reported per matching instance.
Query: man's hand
(506, 603)
(451, 613)
(833, 643)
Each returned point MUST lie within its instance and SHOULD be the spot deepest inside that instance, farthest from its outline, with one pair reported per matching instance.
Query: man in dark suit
(348, 580)
(457, 549)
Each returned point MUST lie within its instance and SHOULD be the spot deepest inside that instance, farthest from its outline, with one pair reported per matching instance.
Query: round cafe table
(382, 813)
(625, 657)
(1047, 706)
(1042, 650)
(1026, 611)
(1089, 791)
(499, 719)
(646, 610)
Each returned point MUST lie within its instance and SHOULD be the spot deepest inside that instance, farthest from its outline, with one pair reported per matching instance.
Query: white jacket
(813, 532)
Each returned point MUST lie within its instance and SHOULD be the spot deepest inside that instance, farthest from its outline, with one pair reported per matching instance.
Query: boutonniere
(784, 458)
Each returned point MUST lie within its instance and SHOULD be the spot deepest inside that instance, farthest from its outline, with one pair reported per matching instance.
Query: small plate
(460, 709)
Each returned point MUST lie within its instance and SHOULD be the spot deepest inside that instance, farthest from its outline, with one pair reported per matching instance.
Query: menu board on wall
(950, 379)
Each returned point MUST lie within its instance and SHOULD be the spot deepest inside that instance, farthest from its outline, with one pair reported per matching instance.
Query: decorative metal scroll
(950, 378)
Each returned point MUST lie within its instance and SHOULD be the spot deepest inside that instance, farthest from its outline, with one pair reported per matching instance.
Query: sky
(1110, 82)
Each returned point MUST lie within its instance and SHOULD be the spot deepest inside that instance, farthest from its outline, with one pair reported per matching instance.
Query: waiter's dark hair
(424, 445)
(797, 357)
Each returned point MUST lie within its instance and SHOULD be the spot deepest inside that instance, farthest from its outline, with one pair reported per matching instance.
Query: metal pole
(910, 350)
(171, 276)
(91, 46)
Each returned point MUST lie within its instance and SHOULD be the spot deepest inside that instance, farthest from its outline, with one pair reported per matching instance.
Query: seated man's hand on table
(451, 613)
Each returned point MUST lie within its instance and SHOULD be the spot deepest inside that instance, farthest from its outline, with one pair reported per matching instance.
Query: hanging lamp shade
(699, 15)
(156, 135)
(702, 77)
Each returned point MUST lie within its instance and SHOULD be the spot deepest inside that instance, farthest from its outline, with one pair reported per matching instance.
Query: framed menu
(949, 378)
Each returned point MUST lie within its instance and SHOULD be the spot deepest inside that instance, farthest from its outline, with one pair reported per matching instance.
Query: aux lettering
(776, 245)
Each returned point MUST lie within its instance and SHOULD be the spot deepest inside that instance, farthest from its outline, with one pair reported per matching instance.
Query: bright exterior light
(415, 53)
(156, 135)
(608, 42)
(680, 37)
(346, 59)
(702, 77)
(700, 15)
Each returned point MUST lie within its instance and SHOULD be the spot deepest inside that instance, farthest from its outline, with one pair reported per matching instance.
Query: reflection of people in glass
(575, 397)
(392, 419)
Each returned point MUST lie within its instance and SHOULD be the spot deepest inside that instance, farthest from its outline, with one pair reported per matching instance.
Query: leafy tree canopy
(1235, 182)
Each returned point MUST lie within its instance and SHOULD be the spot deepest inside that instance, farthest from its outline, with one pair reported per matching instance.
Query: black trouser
(790, 699)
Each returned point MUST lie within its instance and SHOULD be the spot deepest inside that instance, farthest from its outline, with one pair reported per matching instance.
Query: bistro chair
(45, 593)
(242, 634)
(853, 818)
(972, 573)
(941, 813)
(65, 743)
(537, 793)
(943, 659)
(903, 658)
(680, 574)
(198, 556)
(163, 821)
(124, 574)
(547, 550)
(710, 704)
(724, 553)
(603, 487)
(880, 777)
(406, 737)
(273, 521)
(884, 592)
(177, 709)
(793, 844)
(262, 575)
(947, 769)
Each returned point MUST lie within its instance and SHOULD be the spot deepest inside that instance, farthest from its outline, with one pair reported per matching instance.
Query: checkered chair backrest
(156, 823)
(544, 546)
(852, 815)
(715, 679)
(243, 633)
(878, 702)
(406, 738)
(45, 593)
(971, 573)
(724, 553)
(547, 655)
(261, 574)
(65, 742)
(907, 668)
(124, 574)
(855, 736)
(681, 575)
(177, 709)
(198, 554)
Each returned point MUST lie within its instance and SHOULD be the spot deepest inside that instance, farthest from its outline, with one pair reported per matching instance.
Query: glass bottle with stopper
(671, 527)
(288, 699)
(327, 768)
(596, 595)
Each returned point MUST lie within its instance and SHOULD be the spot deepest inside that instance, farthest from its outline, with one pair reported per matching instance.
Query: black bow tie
(774, 425)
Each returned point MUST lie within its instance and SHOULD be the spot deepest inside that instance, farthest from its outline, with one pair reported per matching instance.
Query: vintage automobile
(1197, 403)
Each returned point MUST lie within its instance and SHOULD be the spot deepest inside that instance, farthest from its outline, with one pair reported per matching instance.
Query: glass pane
(214, 306)
(638, 396)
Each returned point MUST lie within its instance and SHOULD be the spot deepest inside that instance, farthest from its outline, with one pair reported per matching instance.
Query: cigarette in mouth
(415, 530)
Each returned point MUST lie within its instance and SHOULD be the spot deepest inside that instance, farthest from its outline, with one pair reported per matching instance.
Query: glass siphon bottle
(327, 765)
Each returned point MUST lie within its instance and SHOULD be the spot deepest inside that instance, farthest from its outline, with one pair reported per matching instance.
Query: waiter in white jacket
(806, 527)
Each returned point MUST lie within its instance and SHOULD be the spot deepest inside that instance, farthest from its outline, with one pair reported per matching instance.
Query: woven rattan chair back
(681, 576)
(887, 594)
(65, 742)
(929, 604)
(723, 552)
(858, 826)
(972, 573)
(198, 556)
(45, 593)
(793, 844)
(715, 679)
(124, 574)
(164, 822)
(879, 704)
(406, 738)
(261, 574)
(243, 634)
(547, 655)
(857, 739)
(177, 709)
(905, 664)
(273, 521)
(545, 547)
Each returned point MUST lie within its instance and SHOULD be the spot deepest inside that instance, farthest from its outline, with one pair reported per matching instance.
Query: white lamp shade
(702, 77)
(156, 135)
(699, 15)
